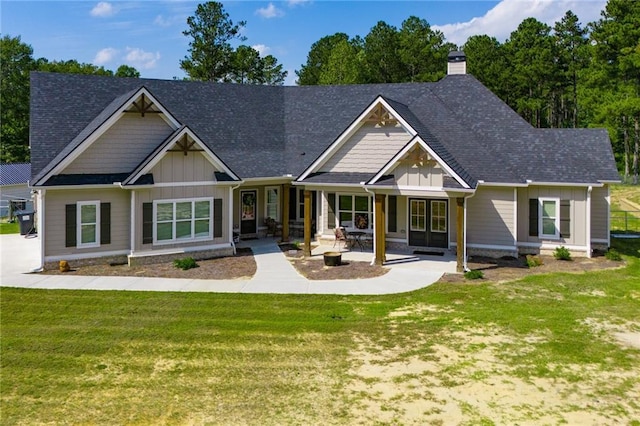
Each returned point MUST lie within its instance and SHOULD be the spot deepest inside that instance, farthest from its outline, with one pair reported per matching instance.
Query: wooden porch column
(285, 212)
(379, 229)
(306, 251)
(460, 234)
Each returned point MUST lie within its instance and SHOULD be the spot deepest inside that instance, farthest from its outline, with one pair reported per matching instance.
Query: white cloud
(161, 21)
(103, 10)
(270, 12)
(140, 59)
(105, 56)
(262, 49)
(293, 3)
(504, 18)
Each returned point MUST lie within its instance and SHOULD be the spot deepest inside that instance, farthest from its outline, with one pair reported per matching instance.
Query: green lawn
(623, 216)
(97, 357)
(9, 228)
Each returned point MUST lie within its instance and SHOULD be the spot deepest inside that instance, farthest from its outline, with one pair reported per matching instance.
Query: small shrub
(534, 261)
(612, 254)
(186, 263)
(562, 253)
(473, 274)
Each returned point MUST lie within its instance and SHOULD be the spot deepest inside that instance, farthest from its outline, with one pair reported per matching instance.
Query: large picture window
(549, 218)
(355, 211)
(183, 220)
(88, 223)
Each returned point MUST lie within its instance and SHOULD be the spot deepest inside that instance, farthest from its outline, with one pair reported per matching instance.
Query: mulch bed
(241, 266)
(508, 269)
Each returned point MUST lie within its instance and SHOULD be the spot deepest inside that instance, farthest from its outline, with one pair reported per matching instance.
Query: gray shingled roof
(14, 173)
(269, 131)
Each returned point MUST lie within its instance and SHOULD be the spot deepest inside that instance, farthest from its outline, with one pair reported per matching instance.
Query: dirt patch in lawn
(241, 266)
(314, 269)
(509, 269)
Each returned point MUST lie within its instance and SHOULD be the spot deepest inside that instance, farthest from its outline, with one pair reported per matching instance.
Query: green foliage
(185, 263)
(562, 253)
(534, 261)
(127, 71)
(16, 62)
(474, 274)
(212, 58)
(318, 58)
(9, 227)
(612, 254)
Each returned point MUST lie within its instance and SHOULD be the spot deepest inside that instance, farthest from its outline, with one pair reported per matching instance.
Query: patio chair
(341, 236)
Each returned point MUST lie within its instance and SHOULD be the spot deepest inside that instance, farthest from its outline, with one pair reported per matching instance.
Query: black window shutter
(533, 217)
(331, 217)
(147, 223)
(105, 223)
(565, 218)
(217, 217)
(392, 213)
(70, 225)
(293, 191)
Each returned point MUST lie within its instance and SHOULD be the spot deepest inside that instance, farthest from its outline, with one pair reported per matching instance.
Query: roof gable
(379, 112)
(140, 101)
(182, 140)
(418, 151)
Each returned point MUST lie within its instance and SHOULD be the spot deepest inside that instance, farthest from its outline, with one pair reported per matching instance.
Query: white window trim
(432, 216)
(266, 202)
(79, 243)
(175, 240)
(411, 227)
(556, 235)
(353, 210)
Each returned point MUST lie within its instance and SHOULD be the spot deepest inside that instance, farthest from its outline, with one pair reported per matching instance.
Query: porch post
(379, 229)
(307, 223)
(285, 212)
(460, 234)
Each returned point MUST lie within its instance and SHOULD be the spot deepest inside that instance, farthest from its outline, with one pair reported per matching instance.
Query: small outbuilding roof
(14, 173)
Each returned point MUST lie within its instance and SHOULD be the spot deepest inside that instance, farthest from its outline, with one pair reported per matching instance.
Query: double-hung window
(88, 224)
(355, 211)
(183, 220)
(549, 214)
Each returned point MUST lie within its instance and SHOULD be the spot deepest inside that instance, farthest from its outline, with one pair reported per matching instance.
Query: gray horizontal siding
(368, 150)
(490, 217)
(121, 148)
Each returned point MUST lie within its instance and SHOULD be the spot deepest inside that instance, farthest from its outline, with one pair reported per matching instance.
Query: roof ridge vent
(456, 63)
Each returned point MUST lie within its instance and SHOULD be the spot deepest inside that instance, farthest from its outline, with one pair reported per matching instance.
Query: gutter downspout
(589, 220)
(40, 198)
(373, 258)
(465, 267)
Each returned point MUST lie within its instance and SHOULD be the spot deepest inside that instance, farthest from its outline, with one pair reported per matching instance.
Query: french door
(428, 225)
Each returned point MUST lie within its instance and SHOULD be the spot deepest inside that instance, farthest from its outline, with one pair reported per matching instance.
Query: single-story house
(15, 194)
(147, 169)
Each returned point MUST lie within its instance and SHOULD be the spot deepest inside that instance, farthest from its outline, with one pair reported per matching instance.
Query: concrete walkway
(275, 274)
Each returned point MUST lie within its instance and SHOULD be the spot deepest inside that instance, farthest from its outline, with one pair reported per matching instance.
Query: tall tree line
(565, 75)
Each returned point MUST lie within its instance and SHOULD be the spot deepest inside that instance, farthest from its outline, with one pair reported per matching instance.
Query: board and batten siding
(600, 213)
(177, 167)
(490, 217)
(55, 217)
(177, 193)
(578, 221)
(368, 150)
(417, 175)
(123, 146)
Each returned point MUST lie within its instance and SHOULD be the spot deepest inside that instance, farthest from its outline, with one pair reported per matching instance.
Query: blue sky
(148, 34)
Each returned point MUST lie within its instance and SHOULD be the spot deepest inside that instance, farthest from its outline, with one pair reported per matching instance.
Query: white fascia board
(211, 157)
(355, 125)
(106, 125)
(67, 187)
(417, 141)
(270, 180)
(503, 184)
(586, 185)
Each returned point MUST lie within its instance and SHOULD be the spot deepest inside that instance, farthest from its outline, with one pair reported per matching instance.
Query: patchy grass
(9, 227)
(549, 348)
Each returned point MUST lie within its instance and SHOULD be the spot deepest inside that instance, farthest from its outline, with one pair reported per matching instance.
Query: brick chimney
(456, 63)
